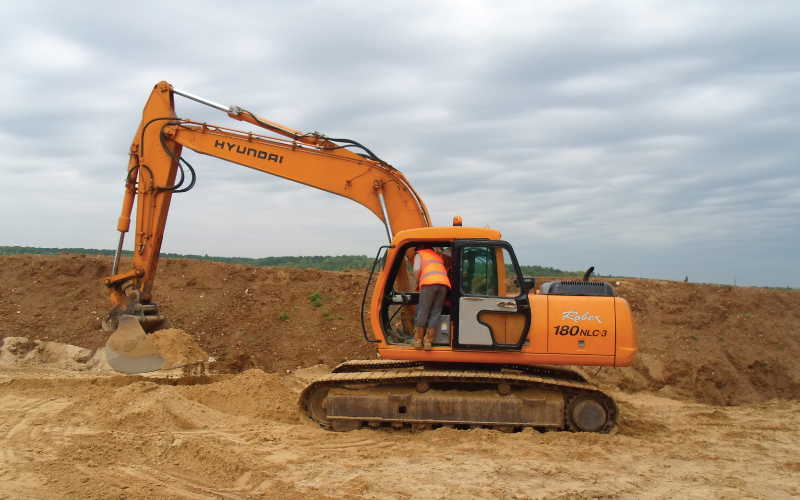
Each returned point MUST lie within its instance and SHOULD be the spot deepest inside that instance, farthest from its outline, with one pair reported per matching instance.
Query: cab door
(490, 305)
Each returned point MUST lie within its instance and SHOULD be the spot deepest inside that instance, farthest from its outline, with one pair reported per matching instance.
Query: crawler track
(406, 393)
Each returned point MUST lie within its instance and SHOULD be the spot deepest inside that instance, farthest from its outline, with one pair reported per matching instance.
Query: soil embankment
(714, 344)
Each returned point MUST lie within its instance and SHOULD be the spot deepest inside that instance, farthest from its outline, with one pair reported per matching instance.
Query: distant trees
(326, 263)
(548, 271)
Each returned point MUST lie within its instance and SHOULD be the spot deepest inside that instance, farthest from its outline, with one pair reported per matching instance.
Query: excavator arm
(156, 171)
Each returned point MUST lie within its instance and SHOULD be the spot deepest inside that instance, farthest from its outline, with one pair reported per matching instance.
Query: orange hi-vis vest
(432, 270)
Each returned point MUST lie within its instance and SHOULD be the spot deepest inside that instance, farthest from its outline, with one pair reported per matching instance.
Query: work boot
(429, 338)
(419, 332)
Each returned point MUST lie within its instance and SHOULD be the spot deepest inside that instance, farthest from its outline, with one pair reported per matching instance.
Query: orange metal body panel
(152, 167)
(537, 336)
(506, 328)
(626, 334)
(447, 355)
(580, 325)
(338, 171)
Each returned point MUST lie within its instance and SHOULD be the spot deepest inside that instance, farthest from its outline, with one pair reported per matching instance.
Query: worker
(433, 285)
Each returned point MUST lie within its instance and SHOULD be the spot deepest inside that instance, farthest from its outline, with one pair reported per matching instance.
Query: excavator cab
(487, 309)
(398, 312)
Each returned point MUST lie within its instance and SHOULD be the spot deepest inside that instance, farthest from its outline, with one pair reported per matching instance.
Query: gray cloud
(651, 139)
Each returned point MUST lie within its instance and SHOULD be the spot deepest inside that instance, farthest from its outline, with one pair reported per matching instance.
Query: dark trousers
(431, 301)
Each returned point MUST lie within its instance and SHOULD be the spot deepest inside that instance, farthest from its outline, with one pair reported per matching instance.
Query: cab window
(488, 271)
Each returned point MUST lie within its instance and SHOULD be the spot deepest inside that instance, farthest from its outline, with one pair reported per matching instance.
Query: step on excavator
(500, 355)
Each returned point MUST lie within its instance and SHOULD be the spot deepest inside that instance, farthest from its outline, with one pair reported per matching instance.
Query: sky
(647, 139)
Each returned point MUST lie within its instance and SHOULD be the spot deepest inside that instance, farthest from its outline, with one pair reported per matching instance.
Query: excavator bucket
(128, 349)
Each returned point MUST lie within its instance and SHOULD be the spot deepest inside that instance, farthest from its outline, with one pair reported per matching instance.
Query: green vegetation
(284, 316)
(56, 251)
(326, 263)
(548, 271)
(316, 299)
(327, 315)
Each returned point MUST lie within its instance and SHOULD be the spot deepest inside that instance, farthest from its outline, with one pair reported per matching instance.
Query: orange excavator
(500, 355)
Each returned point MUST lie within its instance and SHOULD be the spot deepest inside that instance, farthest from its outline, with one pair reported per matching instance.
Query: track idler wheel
(316, 408)
(587, 413)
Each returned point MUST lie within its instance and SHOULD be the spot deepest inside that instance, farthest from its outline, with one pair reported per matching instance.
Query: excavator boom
(156, 171)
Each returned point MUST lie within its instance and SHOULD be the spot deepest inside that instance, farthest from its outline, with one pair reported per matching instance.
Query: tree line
(325, 263)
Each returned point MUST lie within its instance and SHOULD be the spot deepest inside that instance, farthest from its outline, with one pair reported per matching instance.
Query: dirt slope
(714, 344)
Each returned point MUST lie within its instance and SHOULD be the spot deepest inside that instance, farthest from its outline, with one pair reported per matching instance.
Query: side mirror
(528, 283)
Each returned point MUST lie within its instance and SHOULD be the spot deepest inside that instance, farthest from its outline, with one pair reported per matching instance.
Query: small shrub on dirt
(327, 315)
(694, 337)
(284, 316)
(316, 299)
(341, 316)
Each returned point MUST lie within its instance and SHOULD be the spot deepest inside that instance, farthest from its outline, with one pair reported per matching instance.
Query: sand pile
(253, 394)
(177, 348)
(21, 351)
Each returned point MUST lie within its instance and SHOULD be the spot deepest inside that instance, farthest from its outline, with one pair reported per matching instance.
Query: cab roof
(445, 233)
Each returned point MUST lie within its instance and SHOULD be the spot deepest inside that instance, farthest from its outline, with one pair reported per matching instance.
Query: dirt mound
(716, 344)
(239, 438)
(254, 394)
(21, 351)
(177, 347)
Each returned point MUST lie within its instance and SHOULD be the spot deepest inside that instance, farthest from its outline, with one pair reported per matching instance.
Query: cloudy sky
(649, 139)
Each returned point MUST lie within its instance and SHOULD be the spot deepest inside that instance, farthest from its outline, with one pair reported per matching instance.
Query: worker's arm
(417, 269)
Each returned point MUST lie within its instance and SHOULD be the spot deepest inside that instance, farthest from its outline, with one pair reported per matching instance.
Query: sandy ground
(98, 434)
(710, 408)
